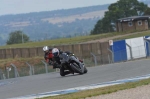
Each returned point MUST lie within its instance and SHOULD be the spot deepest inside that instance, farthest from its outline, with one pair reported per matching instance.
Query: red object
(49, 56)
(81, 61)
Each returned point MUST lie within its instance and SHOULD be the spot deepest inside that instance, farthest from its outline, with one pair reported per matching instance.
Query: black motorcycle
(72, 63)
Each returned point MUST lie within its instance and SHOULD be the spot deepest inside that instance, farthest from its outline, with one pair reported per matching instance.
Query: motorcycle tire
(85, 70)
(62, 73)
(76, 68)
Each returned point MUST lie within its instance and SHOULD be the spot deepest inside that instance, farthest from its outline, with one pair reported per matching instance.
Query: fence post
(33, 70)
(45, 66)
(4, 77)
(30, 71)
(112, 55)
(147, 41)
(95, 59)
(1, 74)
(57, 70)
(15, 70)
(130, 50)
(109, 58)
(84, 62)
(8, 69)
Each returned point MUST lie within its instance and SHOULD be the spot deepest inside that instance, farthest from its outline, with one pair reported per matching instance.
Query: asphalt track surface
(53, 81)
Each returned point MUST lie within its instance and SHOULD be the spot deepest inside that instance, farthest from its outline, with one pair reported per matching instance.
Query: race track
(53, 81)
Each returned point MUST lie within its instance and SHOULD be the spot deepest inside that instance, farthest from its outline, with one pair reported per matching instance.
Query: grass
(23, 68)
(76, 40)
(146, 33)
(57, 41)
(101, 91)
(20, 61)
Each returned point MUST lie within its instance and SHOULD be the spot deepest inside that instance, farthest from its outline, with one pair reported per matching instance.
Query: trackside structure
(133, 23)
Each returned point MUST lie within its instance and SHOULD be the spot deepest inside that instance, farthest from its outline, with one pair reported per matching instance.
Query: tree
(147, 12)
(17, 37)
(120, 9)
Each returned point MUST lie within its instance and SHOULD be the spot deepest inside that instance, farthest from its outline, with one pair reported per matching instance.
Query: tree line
(120, 9)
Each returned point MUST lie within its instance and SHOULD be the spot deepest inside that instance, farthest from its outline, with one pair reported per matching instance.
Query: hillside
(72, 18)
(52, 24)
(46, 25)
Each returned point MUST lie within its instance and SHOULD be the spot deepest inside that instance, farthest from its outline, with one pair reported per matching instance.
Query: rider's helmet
(55, 52)
(46, 49)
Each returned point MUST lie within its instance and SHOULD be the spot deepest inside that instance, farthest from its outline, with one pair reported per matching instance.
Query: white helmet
(55, 52)
(45, 48)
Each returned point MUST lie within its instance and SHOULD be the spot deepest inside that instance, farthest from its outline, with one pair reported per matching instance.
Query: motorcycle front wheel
(85, 70)
(77, 68)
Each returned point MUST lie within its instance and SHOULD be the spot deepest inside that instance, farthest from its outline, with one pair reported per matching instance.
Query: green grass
(20, 61)
(146, 33)
(75, 40)
(58, 41)
(101, 91)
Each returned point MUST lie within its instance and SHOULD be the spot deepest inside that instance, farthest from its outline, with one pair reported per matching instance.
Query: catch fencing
(94, 60)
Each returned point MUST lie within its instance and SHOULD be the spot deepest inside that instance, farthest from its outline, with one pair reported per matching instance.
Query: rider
(56, 52)
(48, 56)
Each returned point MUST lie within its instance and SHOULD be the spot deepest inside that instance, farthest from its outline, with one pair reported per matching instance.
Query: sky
(27, 6)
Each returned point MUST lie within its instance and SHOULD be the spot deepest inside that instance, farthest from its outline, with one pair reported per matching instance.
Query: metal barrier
(31, 71)
(2, 76)
(45, 66)
(95, 59)
(15, 70)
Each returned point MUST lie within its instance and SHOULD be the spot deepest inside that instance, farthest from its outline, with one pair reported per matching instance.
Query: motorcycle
(72, 63)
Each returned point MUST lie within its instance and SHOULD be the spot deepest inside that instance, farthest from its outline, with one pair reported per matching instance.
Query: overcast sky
(26, 6)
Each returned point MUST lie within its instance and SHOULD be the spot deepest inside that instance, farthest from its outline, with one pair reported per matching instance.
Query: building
(133, 23)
